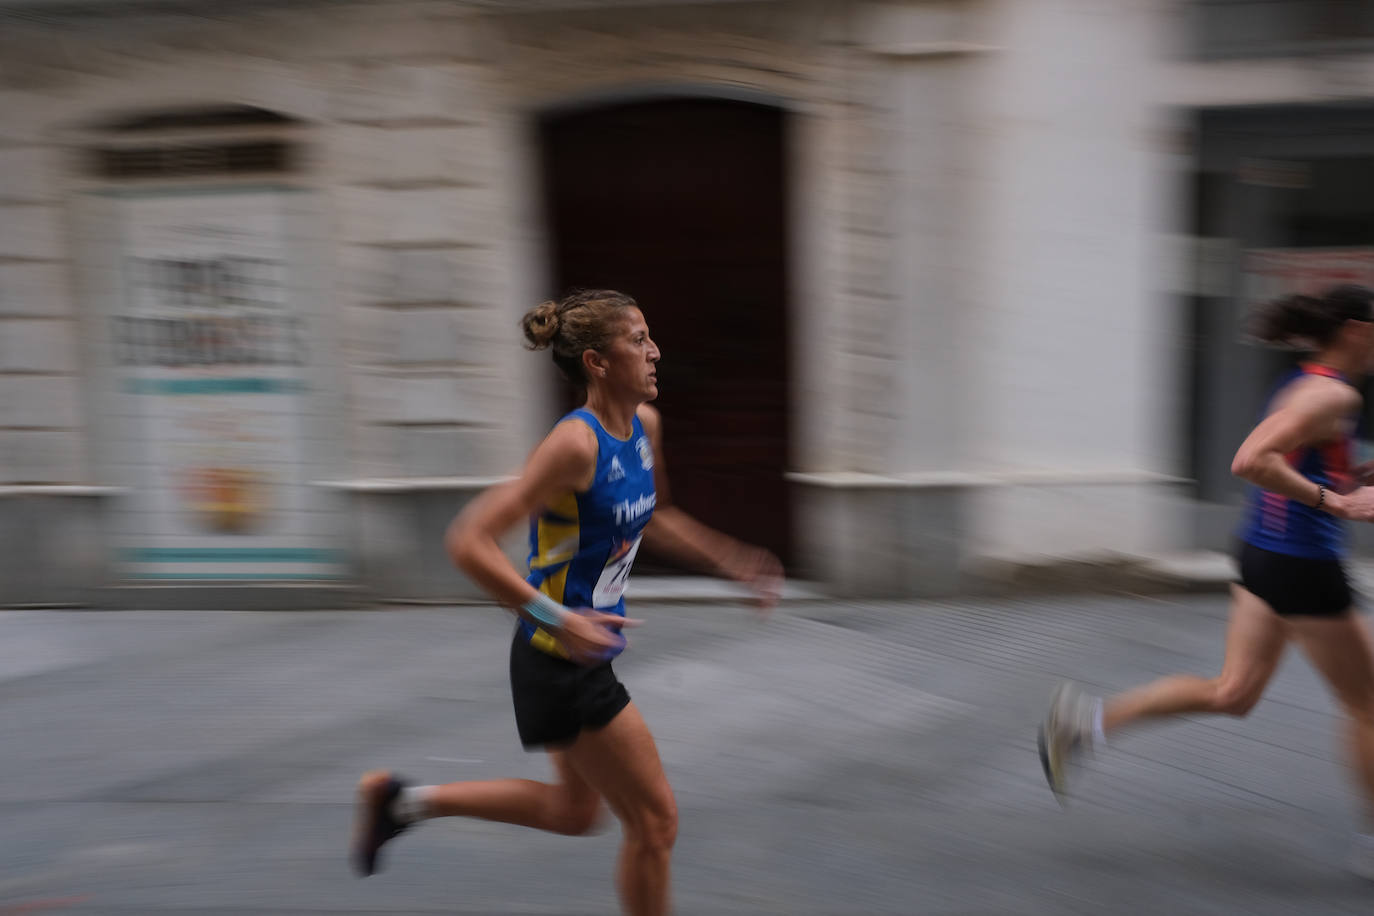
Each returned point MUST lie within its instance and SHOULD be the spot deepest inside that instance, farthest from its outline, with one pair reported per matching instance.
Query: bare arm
(563, 462)
(673, 532)
(1310, 415)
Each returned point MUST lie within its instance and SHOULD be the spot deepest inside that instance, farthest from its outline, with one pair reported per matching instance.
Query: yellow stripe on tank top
(558, 532)
(542, 639)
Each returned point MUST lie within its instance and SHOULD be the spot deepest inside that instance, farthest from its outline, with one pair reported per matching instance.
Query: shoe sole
(1053, 768)
(1043, 746)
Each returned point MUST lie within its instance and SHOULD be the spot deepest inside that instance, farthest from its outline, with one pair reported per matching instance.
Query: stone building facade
(964, 347)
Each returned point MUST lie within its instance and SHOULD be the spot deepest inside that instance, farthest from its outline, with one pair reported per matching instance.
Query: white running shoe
(1065, 733)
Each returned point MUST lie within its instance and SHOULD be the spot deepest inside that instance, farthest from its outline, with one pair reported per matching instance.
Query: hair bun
(541, 325)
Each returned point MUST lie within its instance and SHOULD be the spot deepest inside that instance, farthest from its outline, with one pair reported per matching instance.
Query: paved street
(837, 759)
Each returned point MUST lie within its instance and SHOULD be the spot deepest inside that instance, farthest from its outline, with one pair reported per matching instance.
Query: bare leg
(1255, 641)
(621, 762)
(1340, 649)
(568, 806)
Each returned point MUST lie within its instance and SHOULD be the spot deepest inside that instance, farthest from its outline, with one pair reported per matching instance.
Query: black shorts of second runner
(1295, 586)
(555, 699)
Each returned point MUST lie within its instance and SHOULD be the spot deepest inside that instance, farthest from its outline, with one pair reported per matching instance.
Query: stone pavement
(870, 758)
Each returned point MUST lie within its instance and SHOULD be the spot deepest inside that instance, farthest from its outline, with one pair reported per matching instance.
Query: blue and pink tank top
(1274, 522)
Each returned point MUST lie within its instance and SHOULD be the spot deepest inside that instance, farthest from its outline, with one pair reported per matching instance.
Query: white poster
(211, 349)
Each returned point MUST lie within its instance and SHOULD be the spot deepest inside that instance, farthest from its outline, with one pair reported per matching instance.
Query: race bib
(616, 575)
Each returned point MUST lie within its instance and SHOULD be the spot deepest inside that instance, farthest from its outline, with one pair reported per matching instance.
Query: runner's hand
(1357, 505)
(1363, 473)
(761, 571)
(592, 636)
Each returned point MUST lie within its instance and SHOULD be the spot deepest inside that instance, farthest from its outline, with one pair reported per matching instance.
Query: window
(177, 160)
(222, 140)
(1244, 28)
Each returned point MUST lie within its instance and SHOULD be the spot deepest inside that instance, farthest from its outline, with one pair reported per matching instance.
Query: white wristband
(545, 610)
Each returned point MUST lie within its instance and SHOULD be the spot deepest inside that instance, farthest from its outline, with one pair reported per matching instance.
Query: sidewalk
(840, 758)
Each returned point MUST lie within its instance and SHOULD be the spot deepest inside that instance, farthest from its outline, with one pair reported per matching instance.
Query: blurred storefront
(1284, 199)
(925, 275)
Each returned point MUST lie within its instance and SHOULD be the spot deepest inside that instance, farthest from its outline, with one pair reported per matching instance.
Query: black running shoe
(374, 823)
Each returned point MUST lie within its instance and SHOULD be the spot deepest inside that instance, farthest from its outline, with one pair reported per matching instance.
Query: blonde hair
(585, 320)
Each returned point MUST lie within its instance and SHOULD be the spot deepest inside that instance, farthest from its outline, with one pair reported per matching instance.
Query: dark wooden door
(682, 204)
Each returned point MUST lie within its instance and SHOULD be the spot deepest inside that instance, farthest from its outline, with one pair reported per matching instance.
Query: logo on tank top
(627, 512)
(617, 472)
(646, 453)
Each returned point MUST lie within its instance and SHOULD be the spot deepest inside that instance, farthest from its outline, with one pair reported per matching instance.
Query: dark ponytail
(1312, 322)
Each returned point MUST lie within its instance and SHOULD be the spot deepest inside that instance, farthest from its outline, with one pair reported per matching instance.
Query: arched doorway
(682, 203)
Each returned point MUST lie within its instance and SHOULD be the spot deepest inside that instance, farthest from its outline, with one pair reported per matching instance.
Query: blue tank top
(1276, 523)
(583, 544)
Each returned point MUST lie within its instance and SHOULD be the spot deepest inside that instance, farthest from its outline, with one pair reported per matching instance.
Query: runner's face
(631, 358)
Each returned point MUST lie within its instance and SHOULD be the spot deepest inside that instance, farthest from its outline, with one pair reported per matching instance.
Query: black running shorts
(1295, 586)
(556, 699)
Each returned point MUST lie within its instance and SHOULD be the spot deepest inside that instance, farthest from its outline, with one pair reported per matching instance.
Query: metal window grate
(174, 160)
